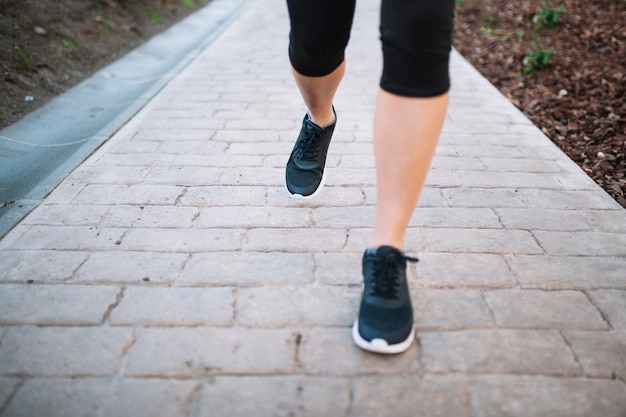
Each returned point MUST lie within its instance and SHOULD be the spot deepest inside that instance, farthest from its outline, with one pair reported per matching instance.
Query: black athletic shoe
(304, 175)
(385, 322)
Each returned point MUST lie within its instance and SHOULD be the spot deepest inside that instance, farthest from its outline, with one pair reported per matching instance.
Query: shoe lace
(385, 279)
(309, 145)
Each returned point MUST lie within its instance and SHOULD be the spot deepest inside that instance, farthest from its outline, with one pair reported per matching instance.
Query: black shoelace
(385, 276)
(309, 145)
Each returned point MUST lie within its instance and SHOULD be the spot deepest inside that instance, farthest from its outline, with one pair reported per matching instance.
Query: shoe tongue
(381, 250)
(371, 251)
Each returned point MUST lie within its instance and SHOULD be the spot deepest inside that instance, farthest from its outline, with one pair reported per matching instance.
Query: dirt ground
(578, 100)
(48, 46)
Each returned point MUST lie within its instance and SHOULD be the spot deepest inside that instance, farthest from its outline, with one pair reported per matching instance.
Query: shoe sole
(307, 197)
(380, 345)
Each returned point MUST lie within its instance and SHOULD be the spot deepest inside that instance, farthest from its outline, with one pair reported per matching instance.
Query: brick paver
(171, 275)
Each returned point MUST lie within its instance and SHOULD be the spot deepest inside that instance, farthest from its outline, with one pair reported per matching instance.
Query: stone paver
(171, 275)
(56, 304)
(103, 397)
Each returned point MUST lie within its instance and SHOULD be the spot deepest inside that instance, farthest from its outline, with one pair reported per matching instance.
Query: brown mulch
(579, 100)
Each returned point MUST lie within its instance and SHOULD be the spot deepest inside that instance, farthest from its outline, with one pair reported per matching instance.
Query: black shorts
(416, 39)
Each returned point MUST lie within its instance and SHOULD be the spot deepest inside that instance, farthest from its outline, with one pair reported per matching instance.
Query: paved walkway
(170, 274)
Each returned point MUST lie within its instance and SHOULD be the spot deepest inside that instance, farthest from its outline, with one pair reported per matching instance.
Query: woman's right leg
(320, 30)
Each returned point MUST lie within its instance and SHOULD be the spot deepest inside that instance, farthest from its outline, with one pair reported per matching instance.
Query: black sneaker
(385, 322)
(304, 175)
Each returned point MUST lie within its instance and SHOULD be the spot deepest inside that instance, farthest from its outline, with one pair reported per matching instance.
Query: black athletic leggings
(416, 37)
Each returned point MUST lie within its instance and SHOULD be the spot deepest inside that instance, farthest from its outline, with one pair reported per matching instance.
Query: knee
(315, 56)
(416, 47)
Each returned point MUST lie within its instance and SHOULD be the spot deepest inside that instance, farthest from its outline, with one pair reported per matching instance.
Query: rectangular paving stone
(338, 268)
(409, 395)
(462, 270)
(134, 159)
(568, 272)
(148, 146)
(358, 239)
(103, 397)
(521, 396)
(612, 303)
(526, 198)
(248, 269)
(39, 265)
(55, 304)
(249, 217)
(150, 216)
(7, 388)
(223, 196)
(297, 306)
(611, 221)
(328, 197)
(484, 197)
(450, 310)
(455, 162)
(252, 176)
(350, 177)
(63, 194)
(582, 243)
(183, 175)
(319, 344)
(63, 351)
(568, 199)
(477, 218)
(181, 240)
(66, 215)
(480, 241)
(193, 147)
(519, 165)
(517, 180)
(544, 219)
(601, 354)
(267, 148)
(130, 267)
(343, 218)
(491, 151)
(269, 396)
(295, 240)
(174, 306)
(497, 351)
(534, 309)
(237, 135)
(222, 161)
(70, 238)
(98, 194)
(108, 175)
(171, 135)
(192, 352)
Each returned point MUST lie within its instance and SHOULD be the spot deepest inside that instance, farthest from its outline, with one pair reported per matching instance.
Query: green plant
(69, 43)
(106, 23)
(188, 3)
(537, 59)
(152, 14)
(23, 57)
(548, 16)
(490, 25)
